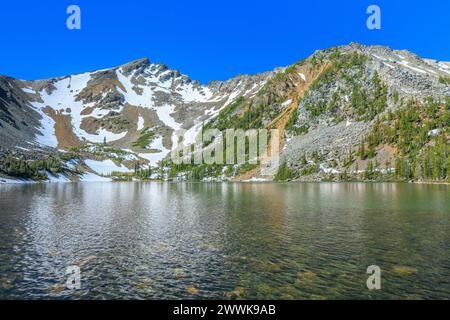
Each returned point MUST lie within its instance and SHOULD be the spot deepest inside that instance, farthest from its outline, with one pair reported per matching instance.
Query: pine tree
(362, 150)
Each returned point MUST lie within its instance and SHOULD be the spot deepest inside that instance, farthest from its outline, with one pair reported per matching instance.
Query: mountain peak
(136, 64)
(139, 61)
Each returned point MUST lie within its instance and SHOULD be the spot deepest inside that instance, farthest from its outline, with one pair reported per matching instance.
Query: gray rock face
(407, 73)
(330, 141)
(335, 125)
(18, 120)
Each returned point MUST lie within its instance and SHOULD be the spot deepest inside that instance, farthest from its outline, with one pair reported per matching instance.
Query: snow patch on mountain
(189, 93)
(155, 157)
(64, 97)
(144, 99)
(140, 123)
(91, 177)
(286, 103)
(56, 177)
(28, 90)
(47, 136)
(164, 112)
(106, 167)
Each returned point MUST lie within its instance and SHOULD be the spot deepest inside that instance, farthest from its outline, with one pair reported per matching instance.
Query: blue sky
(206, 39)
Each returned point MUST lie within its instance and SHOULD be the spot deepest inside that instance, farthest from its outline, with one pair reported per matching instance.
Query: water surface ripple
(225, 241)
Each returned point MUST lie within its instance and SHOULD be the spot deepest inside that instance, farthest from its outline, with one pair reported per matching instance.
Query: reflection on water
(231, 241)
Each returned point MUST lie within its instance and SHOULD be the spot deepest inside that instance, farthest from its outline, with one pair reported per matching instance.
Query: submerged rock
(191, 290)
(58, 288)
(84, 261)
(143, 284)
(239, 292)
(404, 270)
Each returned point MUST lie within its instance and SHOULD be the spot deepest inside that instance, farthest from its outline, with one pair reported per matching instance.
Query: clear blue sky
(206, 39)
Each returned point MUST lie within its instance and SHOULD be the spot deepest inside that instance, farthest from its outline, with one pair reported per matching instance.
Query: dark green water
(207, 240)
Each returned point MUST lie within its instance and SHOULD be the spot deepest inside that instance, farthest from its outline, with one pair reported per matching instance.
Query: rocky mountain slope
(334, 110)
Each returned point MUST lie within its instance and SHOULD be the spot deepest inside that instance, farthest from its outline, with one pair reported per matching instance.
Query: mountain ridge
(137, 108)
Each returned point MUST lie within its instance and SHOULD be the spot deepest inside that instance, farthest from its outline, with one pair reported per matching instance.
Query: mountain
(350, 112)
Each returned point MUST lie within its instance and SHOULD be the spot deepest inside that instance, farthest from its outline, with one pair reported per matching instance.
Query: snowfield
(106, 167)
(140, 123)
(154, 158)
(57, 177)
(91, 177)
(63, 97)
(28, 90)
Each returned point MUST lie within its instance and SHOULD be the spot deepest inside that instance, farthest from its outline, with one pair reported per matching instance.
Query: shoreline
(9, 181)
